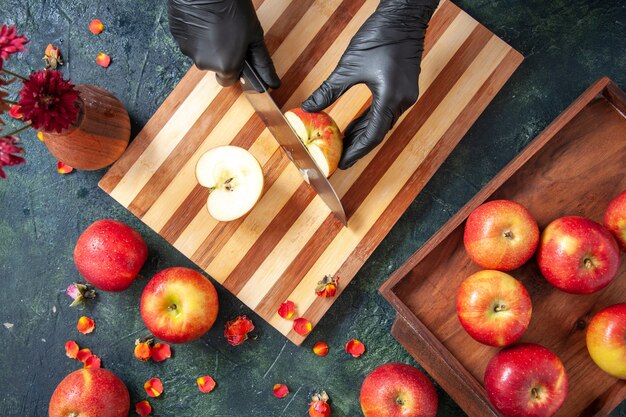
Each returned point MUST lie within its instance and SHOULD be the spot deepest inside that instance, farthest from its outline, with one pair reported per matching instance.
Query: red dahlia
(8, 151)
(48, 101)
(10, 42)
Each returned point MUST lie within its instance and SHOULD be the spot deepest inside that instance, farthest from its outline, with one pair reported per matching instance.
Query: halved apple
(235, 181)
(321, 135)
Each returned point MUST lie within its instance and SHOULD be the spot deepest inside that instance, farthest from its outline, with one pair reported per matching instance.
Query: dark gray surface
(568, 44)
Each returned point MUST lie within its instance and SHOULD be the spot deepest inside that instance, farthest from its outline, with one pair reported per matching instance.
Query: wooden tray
(290, 240)
(574, 167)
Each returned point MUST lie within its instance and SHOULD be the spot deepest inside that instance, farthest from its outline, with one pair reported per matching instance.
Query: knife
(279, 127)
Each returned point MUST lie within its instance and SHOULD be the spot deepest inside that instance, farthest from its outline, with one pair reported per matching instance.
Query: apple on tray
(493, 307)
(526, 380)
(235, 181)
(606, 340)
(179, 305)
(90, 392)
(398, 390)
(110, 254)
(321, 136)
(501, 234)
(578, 255)
(615, 218)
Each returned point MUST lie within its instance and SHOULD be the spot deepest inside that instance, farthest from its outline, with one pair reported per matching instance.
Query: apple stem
(535, 393)
(508, 234)
(172, 307)
(588, 263)
(500, 307)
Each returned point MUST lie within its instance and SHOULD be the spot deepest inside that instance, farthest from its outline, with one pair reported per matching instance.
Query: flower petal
(302, 326)
(52, 57)
(15, 112)
(92, 362)
(153, 387)
(161, 351)
(287, 309)
(40, 136)
(143, 352)
(236, 331)
(327, 287)
(281, 390)
(64, 168)
(83, 354)
(143, 408)
(206, 384)
(85, 325)
(103, 60)
(96, 26)
(71, 349)
(355, 348)
(319, 407)
(320, 348)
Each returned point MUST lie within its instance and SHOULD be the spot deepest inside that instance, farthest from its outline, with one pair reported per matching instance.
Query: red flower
(236, 331)
(10, 42)
(48, 101)
(8, 151)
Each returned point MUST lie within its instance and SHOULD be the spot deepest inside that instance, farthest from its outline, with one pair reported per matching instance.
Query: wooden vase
(99, 136)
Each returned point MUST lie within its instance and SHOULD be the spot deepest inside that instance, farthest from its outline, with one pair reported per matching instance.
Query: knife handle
(250, 80)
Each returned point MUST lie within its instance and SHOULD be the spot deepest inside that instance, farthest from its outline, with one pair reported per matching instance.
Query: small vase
(99, 136)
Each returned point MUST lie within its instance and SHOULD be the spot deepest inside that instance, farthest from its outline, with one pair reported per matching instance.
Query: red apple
(578, 255)
(321, 136)
(398, 390)
(615, 218)
(526, 380)
(606, 340)
(501, 234)
(90, 392)
(493, 307)
(110, 254)
(179, 305)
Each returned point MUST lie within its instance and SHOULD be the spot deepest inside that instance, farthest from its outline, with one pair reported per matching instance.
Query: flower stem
(20, 130)
(10, 102)
(6, 71)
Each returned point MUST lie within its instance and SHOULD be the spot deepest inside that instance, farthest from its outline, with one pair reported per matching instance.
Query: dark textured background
(568, 44)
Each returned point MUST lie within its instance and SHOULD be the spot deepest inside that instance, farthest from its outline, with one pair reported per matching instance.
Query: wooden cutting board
(290, 240)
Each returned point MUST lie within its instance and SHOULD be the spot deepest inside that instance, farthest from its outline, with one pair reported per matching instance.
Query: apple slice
(321, 136)
(235, 181)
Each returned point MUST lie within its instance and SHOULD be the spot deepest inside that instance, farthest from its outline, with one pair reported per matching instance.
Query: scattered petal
(302, 326)
(92, 362)
(327, 287)
(9, 152)
(52, 58)
(287, 309)
(15, 112)
(85, 325)
(80, 293)
(10, 42)
(143, 408)
(83, 355)
(355, 348)
(320, 348)
(96, 26)
(40, 136)
(281, 390)
(319, 407)
(153, 387)
(103, 60)
(143, 351)
(206, 384)
(8, 325)
(71, 349)
(64, 168)
(236, 331)
(161, 351)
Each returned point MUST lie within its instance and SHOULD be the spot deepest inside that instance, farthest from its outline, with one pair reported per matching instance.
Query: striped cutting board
(290, 240)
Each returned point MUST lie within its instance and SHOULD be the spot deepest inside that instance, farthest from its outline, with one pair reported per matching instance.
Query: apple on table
(606, 340)
(615, 218)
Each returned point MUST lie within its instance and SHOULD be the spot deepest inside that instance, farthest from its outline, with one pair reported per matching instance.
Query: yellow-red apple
(526, 380)
(578, 255)
(397, 390)
(606, 340)
(321, 136)
(110, 254)
(90, 392)
(179, 305)
(493, 307)
(615, 218)
(501, 234)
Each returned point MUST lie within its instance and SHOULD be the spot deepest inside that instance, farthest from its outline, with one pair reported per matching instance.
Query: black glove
(385, 55)
(218, 35)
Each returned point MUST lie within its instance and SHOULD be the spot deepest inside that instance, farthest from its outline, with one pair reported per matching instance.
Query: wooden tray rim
(471, 386)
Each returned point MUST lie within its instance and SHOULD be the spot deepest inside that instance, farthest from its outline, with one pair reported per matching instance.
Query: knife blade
(279, 127)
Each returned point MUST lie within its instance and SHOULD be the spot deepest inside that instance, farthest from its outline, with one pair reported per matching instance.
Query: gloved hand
(218, 35)
(385, 55)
